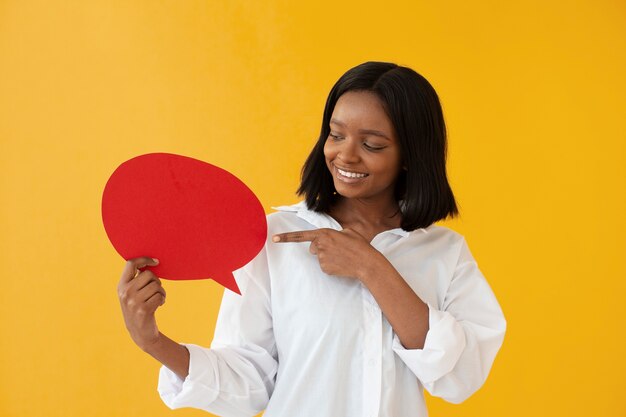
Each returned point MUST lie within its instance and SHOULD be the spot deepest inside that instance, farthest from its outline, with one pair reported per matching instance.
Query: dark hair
(415, 112)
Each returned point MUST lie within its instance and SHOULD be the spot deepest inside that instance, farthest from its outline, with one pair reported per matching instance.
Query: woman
(358, 302)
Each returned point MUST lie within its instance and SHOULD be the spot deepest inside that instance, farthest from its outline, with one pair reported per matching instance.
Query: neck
(348, 211)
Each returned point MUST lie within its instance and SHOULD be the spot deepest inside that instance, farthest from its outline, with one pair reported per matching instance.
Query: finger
(149, 290)
(132, 265)
(313, 247)
(154, 302)
(142, 279)
(130, 289)
(299, 236)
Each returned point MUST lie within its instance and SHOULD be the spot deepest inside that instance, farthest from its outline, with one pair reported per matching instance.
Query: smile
(348, 174)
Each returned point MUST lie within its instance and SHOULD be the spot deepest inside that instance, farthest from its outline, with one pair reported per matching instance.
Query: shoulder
(288, 218)
(439, 242)
(440, 234)
(286, 213)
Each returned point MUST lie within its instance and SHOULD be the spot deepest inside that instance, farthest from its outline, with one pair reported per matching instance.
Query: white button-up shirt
(301, 343)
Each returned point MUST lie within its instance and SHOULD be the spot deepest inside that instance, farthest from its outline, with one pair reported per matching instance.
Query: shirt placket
(372, 355)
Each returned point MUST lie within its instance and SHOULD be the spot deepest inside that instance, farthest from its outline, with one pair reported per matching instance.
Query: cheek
(328, 151)
(388, 168)
(397, 163)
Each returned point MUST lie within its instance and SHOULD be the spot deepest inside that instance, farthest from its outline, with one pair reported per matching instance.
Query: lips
(349, 176)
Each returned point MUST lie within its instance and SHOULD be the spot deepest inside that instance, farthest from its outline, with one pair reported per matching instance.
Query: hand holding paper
(140, 294)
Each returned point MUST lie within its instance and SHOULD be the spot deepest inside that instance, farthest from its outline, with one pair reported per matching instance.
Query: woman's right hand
(140, 294)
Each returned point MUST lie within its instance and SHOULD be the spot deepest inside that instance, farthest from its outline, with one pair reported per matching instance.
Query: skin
(140, 294)
(362, 140)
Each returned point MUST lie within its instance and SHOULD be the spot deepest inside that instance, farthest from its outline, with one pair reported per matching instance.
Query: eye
(373, 148)
(335, 136)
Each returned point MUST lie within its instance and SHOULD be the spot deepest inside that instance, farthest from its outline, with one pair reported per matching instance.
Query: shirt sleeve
(464, 335)
(236, 376)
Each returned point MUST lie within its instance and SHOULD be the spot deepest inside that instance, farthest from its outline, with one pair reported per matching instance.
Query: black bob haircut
(412, 105)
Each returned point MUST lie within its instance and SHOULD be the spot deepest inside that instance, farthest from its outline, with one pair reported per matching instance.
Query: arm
(465, 334)
(140, 294)
(450, 348)
(236, 375)
(405, 311)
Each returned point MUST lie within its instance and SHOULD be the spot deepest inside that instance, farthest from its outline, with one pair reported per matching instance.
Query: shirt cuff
(443, 346)
(199, 389)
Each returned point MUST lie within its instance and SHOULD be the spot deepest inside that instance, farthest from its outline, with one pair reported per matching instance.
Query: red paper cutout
(198, 220)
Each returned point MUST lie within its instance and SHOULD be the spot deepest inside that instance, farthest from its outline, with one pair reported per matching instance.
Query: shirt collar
(323, 220)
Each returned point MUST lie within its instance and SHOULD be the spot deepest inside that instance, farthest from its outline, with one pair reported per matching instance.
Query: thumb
(132, 265)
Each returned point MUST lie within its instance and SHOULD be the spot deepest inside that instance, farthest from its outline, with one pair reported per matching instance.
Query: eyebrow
(362, 131)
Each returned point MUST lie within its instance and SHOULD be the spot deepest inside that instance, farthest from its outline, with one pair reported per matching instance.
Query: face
(362, 151)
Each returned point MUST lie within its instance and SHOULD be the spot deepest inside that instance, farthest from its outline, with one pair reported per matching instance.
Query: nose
(348, 152)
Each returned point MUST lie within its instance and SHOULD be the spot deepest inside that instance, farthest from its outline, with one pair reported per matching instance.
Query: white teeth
(351, 174)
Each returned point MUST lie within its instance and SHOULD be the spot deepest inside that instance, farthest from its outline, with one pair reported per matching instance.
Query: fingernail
(276, 239)
(155, 260)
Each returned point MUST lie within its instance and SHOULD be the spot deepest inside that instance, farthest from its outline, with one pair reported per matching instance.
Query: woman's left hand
(343, 253)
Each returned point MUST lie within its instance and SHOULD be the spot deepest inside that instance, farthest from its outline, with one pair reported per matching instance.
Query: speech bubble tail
(228, 281)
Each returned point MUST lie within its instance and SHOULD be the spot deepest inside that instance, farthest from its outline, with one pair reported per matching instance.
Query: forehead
(362, 110)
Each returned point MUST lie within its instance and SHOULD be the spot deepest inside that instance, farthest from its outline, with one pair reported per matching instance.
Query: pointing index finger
(299, 236)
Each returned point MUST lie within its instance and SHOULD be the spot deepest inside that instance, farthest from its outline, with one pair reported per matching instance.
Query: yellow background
(534, 94)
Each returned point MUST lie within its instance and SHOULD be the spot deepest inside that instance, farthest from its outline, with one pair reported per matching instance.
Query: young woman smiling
(358, 302)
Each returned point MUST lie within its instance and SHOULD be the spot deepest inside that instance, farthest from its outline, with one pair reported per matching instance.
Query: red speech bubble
(198, 220)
